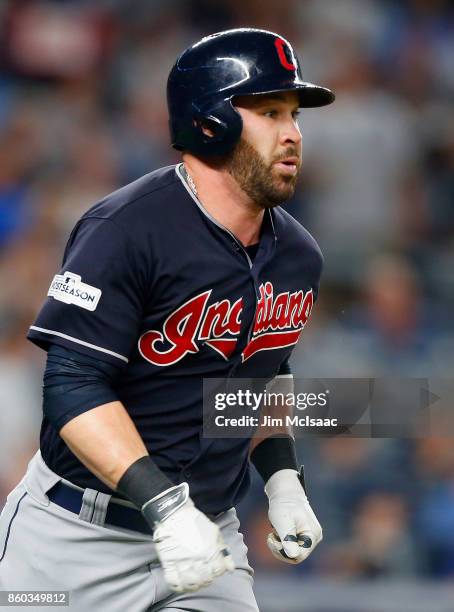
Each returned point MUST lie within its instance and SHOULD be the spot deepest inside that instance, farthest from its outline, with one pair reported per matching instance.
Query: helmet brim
(311, 96)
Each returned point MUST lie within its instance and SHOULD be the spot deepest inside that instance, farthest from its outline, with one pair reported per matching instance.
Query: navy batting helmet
(206, 77)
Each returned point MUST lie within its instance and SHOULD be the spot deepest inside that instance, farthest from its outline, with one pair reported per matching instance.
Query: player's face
(267, 160)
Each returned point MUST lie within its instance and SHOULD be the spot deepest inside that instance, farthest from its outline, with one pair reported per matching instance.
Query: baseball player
(193, 271)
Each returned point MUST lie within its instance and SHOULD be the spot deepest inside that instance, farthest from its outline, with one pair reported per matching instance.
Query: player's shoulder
(136, 198)
(292, 235)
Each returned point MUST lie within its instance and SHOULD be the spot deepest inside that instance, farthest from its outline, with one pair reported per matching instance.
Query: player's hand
(296, 528)
(190, 546)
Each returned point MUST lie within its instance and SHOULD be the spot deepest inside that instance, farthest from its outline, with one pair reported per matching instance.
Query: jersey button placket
(262, 256)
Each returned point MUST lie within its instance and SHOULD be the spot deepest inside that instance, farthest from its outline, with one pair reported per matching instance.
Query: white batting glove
(296, 528)
(190, 546)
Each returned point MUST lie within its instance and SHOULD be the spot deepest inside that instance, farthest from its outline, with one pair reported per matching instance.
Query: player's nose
(290, 132)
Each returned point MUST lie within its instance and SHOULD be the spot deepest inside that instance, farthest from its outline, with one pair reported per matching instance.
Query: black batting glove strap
(165, 504)
(302, 479)
(273, 454)
(142, 481)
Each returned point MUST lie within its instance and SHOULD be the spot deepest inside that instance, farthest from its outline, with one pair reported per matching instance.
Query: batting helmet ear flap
(212, 123)
(225, 123)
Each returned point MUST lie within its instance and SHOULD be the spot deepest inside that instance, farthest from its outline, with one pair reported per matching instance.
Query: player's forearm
(277, 427)
(273, 414)
(81, 402)
(272, 447)
(105, 440)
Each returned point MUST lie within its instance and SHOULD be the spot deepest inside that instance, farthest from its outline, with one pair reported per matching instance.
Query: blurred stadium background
(82, 111)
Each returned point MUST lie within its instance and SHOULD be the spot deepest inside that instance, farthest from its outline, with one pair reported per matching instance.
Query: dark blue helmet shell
(206, 77)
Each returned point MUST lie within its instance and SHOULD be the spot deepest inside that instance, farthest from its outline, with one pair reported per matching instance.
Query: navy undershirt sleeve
(284, 368)
(75, 383)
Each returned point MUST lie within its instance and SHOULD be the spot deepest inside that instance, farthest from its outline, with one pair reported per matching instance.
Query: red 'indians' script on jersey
(278, 323)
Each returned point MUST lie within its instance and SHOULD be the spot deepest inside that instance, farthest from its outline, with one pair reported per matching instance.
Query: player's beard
(259, 179)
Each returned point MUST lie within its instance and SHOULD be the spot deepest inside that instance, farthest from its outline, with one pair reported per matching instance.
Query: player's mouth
(289, 165)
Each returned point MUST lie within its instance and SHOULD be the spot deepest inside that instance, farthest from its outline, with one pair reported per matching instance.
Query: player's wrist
(274, 454)
(286, 482)
(143, 481)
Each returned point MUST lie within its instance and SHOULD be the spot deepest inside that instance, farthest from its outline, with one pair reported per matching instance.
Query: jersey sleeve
(94, 304)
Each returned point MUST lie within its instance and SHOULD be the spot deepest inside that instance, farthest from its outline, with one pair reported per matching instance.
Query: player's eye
(296, 114)
(270, 113)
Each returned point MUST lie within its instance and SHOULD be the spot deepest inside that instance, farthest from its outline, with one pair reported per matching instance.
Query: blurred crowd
(83, 111)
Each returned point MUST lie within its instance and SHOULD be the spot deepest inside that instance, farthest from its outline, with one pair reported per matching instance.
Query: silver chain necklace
(190, 181)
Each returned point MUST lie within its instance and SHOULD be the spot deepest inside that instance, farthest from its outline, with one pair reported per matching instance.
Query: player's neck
(224, 200)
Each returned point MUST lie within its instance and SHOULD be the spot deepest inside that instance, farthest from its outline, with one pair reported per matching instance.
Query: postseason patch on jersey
(70, 289)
